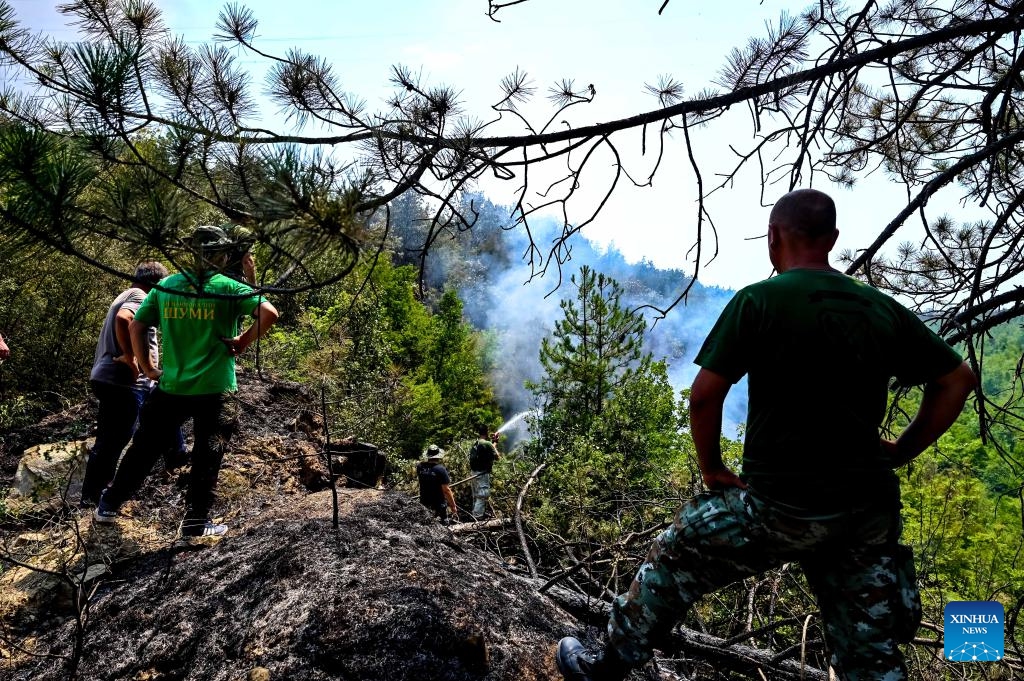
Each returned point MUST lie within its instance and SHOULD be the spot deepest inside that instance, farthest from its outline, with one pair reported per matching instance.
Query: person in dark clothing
(819, 349)
(434, 481)
(119, 385)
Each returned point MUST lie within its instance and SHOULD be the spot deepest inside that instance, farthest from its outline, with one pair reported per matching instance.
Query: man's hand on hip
(235, 346)
(722, 478)
(130, 362)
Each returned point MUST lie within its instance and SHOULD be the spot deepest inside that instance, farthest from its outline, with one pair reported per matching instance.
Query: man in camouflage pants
(818, 486)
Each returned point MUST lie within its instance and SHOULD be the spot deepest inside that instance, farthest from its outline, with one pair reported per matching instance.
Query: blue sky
(617, 46)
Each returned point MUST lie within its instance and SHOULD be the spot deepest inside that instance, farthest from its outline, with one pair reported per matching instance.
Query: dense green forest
(404, 356)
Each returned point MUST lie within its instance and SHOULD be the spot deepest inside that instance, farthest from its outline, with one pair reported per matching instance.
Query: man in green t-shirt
(817, 485)
(196, 313)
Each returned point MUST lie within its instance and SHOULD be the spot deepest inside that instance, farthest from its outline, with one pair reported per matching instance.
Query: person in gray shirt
(118, 384)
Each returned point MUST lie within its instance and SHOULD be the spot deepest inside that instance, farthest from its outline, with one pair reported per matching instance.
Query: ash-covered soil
(391, 594)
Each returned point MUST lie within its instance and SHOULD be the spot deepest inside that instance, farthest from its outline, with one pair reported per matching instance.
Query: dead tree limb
(576, 566)
(486, 526)
(472, 477)
(697, 645)
(742, 658)
(328, 456)
(519, 519)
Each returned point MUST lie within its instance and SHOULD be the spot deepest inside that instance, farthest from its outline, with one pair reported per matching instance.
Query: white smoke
(518, 313)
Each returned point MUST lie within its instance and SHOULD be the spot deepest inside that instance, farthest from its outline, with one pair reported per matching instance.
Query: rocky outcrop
(45, 470)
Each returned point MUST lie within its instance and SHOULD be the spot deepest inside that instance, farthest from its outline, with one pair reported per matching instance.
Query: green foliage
(583, 492)
(640, 416)
(594, 348)
(609, 427)
(455, 363)
(968, 542)
(398, 374)
(52, 313)
(962, 504)
(14, 413)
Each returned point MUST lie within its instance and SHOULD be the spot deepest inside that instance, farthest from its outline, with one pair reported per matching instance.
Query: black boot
(576, 663)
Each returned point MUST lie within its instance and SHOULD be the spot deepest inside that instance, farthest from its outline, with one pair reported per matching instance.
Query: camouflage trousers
(481, 485)
(721, 537)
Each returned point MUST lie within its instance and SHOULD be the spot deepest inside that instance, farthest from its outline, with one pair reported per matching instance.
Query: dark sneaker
(576, 663)
(104, 513)
(202, 528)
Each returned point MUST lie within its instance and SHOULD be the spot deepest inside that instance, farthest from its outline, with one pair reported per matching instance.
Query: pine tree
(607, 430)
(594, 348)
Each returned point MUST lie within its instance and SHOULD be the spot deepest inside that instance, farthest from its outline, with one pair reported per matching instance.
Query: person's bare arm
(941, 405)
(449, 499)
(707, 398)
(5, 351)
(123, 335)
(139, 333)
(266, 315)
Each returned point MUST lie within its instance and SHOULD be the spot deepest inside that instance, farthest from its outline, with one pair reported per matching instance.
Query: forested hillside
(407, 358)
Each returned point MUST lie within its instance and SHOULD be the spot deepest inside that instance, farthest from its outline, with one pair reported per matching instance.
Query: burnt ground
(390, 594)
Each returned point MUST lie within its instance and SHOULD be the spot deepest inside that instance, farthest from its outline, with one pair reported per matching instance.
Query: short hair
(809, 212)
(149, 273)
(241, 238)
(482, 430)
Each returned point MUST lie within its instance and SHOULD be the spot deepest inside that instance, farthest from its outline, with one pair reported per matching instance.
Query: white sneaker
(202, 528)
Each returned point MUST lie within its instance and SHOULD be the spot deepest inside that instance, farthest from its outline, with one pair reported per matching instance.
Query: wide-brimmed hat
(434, 452)
(209, 237)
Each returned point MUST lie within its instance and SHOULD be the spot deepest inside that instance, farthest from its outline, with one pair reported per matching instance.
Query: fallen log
(492, 525)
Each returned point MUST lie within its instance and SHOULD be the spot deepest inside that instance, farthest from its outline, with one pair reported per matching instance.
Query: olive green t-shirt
(819, 349)
(194, 359)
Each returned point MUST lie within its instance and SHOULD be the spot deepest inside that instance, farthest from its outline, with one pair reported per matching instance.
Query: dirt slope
(389, 595)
